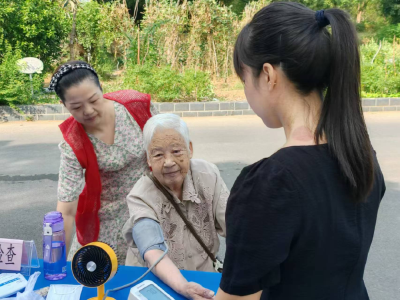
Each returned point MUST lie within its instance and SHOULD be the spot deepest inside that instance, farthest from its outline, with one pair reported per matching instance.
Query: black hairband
(321, 19)
(65, 69)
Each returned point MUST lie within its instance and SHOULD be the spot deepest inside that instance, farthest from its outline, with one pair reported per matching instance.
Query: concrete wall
(192, 109)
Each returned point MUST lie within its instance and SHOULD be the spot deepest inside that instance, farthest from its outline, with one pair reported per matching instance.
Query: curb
(49, 112)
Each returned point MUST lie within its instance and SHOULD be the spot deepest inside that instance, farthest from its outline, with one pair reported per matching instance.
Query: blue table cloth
(128, 274)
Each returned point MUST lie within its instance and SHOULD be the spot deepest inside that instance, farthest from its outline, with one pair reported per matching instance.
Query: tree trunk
(72, 36)
(394, 54)
(135, 13)
(359, 16)
(360, 10)
(138, 47)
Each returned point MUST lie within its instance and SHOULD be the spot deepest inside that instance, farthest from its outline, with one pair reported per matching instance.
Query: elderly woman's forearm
(166, 270)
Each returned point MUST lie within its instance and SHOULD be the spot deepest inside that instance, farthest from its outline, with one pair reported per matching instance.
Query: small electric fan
(93, 265)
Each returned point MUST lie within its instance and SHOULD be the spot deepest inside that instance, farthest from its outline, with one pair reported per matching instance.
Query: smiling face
(169, 158)
(85, 102)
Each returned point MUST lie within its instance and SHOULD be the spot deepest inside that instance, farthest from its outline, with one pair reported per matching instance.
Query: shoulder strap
(185, 220)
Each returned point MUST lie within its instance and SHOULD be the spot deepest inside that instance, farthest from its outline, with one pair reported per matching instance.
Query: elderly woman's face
(169, 157)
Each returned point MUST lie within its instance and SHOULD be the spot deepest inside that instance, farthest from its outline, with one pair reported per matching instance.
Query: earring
(151, 169)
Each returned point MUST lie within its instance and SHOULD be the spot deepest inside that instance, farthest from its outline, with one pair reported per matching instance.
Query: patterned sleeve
(220, 205)
(71, 180)
(153, 109)
(138, 209)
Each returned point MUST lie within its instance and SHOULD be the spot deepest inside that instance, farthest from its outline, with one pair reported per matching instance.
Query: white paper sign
(11, 254)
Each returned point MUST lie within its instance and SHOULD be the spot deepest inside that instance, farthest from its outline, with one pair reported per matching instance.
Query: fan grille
(102, 271)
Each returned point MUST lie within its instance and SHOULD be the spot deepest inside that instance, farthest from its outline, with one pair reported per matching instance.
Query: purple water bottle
(54, 250)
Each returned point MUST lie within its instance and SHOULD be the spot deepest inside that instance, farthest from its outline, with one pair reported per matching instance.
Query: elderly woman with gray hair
(178, 188)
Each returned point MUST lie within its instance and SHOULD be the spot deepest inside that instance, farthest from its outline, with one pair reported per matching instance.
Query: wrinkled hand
(195, 291)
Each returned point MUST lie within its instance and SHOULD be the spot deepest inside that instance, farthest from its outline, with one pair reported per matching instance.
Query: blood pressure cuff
(148, 235)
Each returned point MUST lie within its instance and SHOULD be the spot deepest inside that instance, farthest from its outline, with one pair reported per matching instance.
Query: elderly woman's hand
(192, 290)
(171, 276)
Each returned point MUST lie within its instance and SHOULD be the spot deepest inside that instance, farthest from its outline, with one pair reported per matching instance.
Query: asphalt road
(29, 162)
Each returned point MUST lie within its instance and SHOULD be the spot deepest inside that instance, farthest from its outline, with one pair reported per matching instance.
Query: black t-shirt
(294, 231)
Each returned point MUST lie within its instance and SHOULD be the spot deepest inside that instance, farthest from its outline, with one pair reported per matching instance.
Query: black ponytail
(293, 37)
(342, 120)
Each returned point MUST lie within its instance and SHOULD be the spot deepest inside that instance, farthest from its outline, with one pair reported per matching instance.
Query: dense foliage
(391, 9)
(172, 49)
(380, 69)
(36, 27)
(15, 87)
(167, 84)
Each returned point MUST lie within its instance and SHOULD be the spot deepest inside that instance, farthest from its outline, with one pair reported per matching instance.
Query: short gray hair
(164, 121)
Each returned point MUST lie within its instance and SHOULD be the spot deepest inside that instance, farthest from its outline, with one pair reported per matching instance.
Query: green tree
(37, 27)
(102, 31)
(71, 7)
(88, 27)
(391, 9)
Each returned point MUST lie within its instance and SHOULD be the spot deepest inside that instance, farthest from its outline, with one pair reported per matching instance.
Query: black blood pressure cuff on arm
(148, 235)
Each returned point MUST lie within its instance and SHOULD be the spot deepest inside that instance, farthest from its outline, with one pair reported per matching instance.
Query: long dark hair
(288, 35)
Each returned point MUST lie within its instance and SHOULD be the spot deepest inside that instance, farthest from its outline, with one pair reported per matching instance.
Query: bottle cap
(55, 220)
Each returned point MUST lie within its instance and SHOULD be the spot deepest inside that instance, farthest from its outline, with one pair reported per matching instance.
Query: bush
(391, 9)
(380, 76)
(104, 64)
(15, 87)
(197, 84)
(165, 84)
(388, 32)
(361, 27)
(195, 35)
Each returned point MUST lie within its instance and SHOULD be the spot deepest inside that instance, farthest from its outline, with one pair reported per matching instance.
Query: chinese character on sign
(10, 254)
(1, 254)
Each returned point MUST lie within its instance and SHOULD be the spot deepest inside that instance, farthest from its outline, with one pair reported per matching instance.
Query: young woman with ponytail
(300, 223)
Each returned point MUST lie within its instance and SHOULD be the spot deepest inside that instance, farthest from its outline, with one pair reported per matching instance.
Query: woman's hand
(194, 291)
